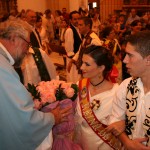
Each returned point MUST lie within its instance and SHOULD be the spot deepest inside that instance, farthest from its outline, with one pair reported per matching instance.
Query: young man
(22, 127)
(132, 100)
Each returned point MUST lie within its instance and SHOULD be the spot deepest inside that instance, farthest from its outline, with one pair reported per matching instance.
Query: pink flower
(56, 83)
(50, 91)
(65, 85)
(69, 92)
(48, 98)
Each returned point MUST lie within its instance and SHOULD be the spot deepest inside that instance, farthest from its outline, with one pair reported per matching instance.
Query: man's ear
(148, 60)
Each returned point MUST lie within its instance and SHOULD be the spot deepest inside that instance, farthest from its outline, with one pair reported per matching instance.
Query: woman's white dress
(84, 135)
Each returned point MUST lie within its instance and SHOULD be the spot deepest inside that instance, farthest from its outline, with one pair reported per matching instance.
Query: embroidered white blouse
(119, 107)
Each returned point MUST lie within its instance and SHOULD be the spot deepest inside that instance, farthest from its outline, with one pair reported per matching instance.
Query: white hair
(16, 27)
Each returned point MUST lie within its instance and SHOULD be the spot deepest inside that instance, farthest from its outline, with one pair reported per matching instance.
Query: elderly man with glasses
(22, 127)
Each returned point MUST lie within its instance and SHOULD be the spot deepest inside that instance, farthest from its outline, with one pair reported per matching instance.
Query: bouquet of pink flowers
(46, 96)
(48, 92)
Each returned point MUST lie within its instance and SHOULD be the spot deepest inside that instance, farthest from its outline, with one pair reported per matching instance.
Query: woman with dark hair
(94, 103)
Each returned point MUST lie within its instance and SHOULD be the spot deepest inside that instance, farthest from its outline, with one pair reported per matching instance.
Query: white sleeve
(95, 40)
(49, 65)
(76, 56)
(119, 103)
(69, 42)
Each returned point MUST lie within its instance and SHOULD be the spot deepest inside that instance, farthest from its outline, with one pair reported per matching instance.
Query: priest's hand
(61, 115)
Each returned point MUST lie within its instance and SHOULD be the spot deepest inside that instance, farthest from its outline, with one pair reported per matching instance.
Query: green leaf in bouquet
(32, 89)
(75, 87)
(60, 95)
(47, 103)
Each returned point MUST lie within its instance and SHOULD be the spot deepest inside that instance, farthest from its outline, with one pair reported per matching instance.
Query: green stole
(41, 65)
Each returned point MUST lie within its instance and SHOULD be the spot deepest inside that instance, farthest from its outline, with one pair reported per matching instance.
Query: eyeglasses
(29, 43)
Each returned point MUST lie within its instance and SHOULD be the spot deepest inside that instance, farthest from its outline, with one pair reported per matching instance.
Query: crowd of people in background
(52, 27)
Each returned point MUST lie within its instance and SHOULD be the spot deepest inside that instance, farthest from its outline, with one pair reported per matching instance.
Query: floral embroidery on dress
(95, 104)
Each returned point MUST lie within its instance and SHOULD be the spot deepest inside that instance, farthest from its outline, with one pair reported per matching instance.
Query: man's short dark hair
(72, 13)
(141, 41)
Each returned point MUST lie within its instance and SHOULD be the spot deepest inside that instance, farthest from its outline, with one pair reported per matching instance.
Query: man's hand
(136, 144)
(60, 115)
(116, 128)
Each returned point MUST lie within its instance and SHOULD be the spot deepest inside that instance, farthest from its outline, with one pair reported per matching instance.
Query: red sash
(92, 120)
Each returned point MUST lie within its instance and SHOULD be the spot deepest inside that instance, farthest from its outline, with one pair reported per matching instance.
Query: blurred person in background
(72, 41)
(112, 44)
(58, 19)
(48, 22)
(65, 14)
(43, 34)
(96, 24)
